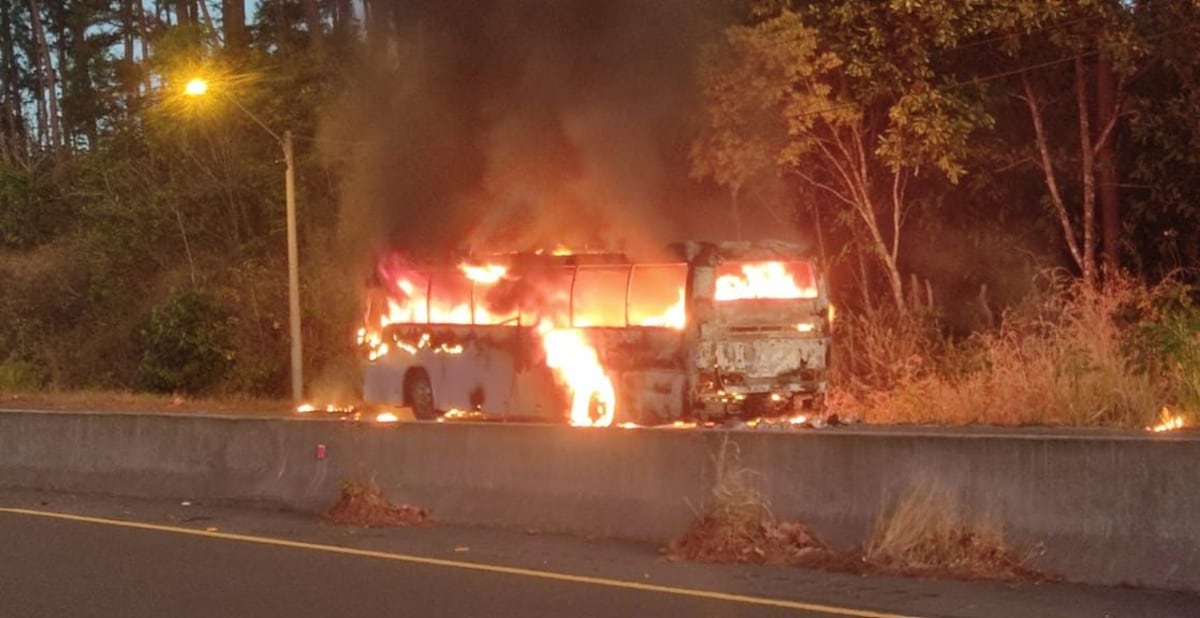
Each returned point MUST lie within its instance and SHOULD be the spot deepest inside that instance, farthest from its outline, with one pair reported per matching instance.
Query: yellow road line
(490, 568)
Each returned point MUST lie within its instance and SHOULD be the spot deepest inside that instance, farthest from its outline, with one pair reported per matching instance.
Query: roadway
(66, 555)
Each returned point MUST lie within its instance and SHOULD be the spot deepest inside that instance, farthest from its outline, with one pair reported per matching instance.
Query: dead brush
(364, 504)
(926, 534)
(1061, 362)
(738, 526)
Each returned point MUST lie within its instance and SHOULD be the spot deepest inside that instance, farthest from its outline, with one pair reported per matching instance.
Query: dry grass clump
(1065, 361)
(926, 534)
(363, 504)
(739, 526)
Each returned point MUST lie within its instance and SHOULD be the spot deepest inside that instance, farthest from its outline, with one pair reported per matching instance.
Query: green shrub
(21, 376)
(187, 345)
(1164, 341)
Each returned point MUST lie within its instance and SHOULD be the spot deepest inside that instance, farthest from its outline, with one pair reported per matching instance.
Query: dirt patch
(363, 504)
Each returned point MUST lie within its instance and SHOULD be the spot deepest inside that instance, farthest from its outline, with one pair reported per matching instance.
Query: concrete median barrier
(1102, 507)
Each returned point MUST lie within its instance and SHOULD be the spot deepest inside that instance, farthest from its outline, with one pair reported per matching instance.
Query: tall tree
(47, 81)
(233, 24)
(316, 30)
(852, 124)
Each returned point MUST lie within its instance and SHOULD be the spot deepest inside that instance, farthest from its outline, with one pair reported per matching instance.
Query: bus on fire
(726, 329)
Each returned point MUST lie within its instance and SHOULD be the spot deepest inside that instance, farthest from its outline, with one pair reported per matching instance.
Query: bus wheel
(418, 394)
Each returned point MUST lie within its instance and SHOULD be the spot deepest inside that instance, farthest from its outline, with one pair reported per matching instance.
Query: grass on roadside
(927, 534)
(738, 526)
(1073, 359)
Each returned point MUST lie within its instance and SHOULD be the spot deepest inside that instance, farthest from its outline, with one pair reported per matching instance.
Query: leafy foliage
(187, 344)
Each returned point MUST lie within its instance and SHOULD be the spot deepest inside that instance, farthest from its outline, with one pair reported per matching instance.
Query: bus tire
(418, 394)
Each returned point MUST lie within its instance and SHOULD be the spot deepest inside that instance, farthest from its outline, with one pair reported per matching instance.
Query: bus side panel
(651, 397)
(481, 377)
(648, 368)
(383, 381)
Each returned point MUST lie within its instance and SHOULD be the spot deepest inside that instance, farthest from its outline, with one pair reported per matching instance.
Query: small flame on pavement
(1167, 421)
(306, 408)
(387, 417)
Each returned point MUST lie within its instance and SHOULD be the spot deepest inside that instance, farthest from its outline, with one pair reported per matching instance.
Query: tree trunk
(183, 15)
(343, 19)
(10, 110)
(316, 32)
(129, 82)
(200, 10)
(48, 82)
(378, 16)
(281, 25)
(1088, 171)
(1046, 163)
(1106, 167)
(144, 35)
(85, 121)
(233, 23)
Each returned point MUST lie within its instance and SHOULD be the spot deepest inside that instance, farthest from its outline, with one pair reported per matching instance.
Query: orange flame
(764, 280)
(674, 317)
(1167, 421)
(486, 273)
(575, 361)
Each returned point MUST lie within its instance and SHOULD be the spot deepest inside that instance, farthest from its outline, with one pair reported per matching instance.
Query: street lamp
(199, 87)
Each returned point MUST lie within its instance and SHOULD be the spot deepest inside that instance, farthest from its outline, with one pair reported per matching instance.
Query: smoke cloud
(502, 125)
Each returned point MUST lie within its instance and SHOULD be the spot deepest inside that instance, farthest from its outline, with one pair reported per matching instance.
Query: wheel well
(412, 374)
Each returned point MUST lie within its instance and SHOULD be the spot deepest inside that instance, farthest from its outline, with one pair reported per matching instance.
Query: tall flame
(570, 355)
(764, 280)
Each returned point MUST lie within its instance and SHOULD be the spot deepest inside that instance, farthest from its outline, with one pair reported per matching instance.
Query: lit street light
(198, 87)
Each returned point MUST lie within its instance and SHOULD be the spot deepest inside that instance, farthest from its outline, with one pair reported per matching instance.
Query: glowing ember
(387, 417)
(1167, 422)
(569, 354)
(305, 408)
(764, 280)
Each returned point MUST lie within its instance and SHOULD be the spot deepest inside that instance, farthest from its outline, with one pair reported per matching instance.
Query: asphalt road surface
(70, 556)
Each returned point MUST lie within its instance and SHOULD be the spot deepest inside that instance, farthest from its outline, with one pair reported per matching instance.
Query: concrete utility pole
(293, 271)
(199, 87)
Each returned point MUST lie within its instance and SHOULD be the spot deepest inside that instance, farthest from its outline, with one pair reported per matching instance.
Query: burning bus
(723, 329)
